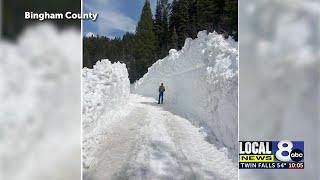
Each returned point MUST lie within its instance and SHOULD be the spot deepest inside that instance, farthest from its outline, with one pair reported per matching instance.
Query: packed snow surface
(142, 140)
(201, 84)
(40, 105)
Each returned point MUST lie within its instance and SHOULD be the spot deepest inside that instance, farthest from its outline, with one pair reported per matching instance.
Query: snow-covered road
(150, 142)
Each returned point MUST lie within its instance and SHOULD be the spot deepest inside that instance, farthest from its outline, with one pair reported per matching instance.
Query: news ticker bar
(271, 165)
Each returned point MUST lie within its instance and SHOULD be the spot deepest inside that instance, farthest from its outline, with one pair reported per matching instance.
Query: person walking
(162, 89)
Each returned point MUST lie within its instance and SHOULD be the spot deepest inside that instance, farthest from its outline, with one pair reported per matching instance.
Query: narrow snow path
(152, 143)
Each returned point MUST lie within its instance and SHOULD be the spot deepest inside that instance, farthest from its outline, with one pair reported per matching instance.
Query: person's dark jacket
(162, 89)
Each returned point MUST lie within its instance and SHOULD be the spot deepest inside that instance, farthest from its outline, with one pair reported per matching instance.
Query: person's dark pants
(160, 98)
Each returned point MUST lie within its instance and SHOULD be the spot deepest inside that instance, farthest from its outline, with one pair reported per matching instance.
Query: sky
(116, 17)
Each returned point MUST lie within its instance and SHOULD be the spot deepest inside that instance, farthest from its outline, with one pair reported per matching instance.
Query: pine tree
(161, 27)
(165, 28)
(173, 14)
(208, 14)
(172, 20)
(174, 40)
(86, 58)
(145, 40)
(192, 18)
(180, 13)
(158, 27)
(229, 19)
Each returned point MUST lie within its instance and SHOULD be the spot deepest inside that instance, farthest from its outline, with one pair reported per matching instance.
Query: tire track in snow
(169, 163)
(205, 159)
(119, 148)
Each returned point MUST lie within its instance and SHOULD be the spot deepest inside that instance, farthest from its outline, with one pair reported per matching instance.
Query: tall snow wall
(201, 84)
(105, 89)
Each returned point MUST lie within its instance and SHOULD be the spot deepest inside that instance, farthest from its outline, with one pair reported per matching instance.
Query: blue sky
(116, 17)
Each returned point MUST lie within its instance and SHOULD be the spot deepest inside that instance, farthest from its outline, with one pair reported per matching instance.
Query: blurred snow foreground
(280, 78)
(130, 136)
(40, 105)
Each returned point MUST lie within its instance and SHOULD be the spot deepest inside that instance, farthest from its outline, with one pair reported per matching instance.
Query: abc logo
(286, 153)
(296, 155)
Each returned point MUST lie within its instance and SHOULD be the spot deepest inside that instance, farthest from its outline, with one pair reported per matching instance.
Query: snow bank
(40, 105)
(106, 88)
(201, 84)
